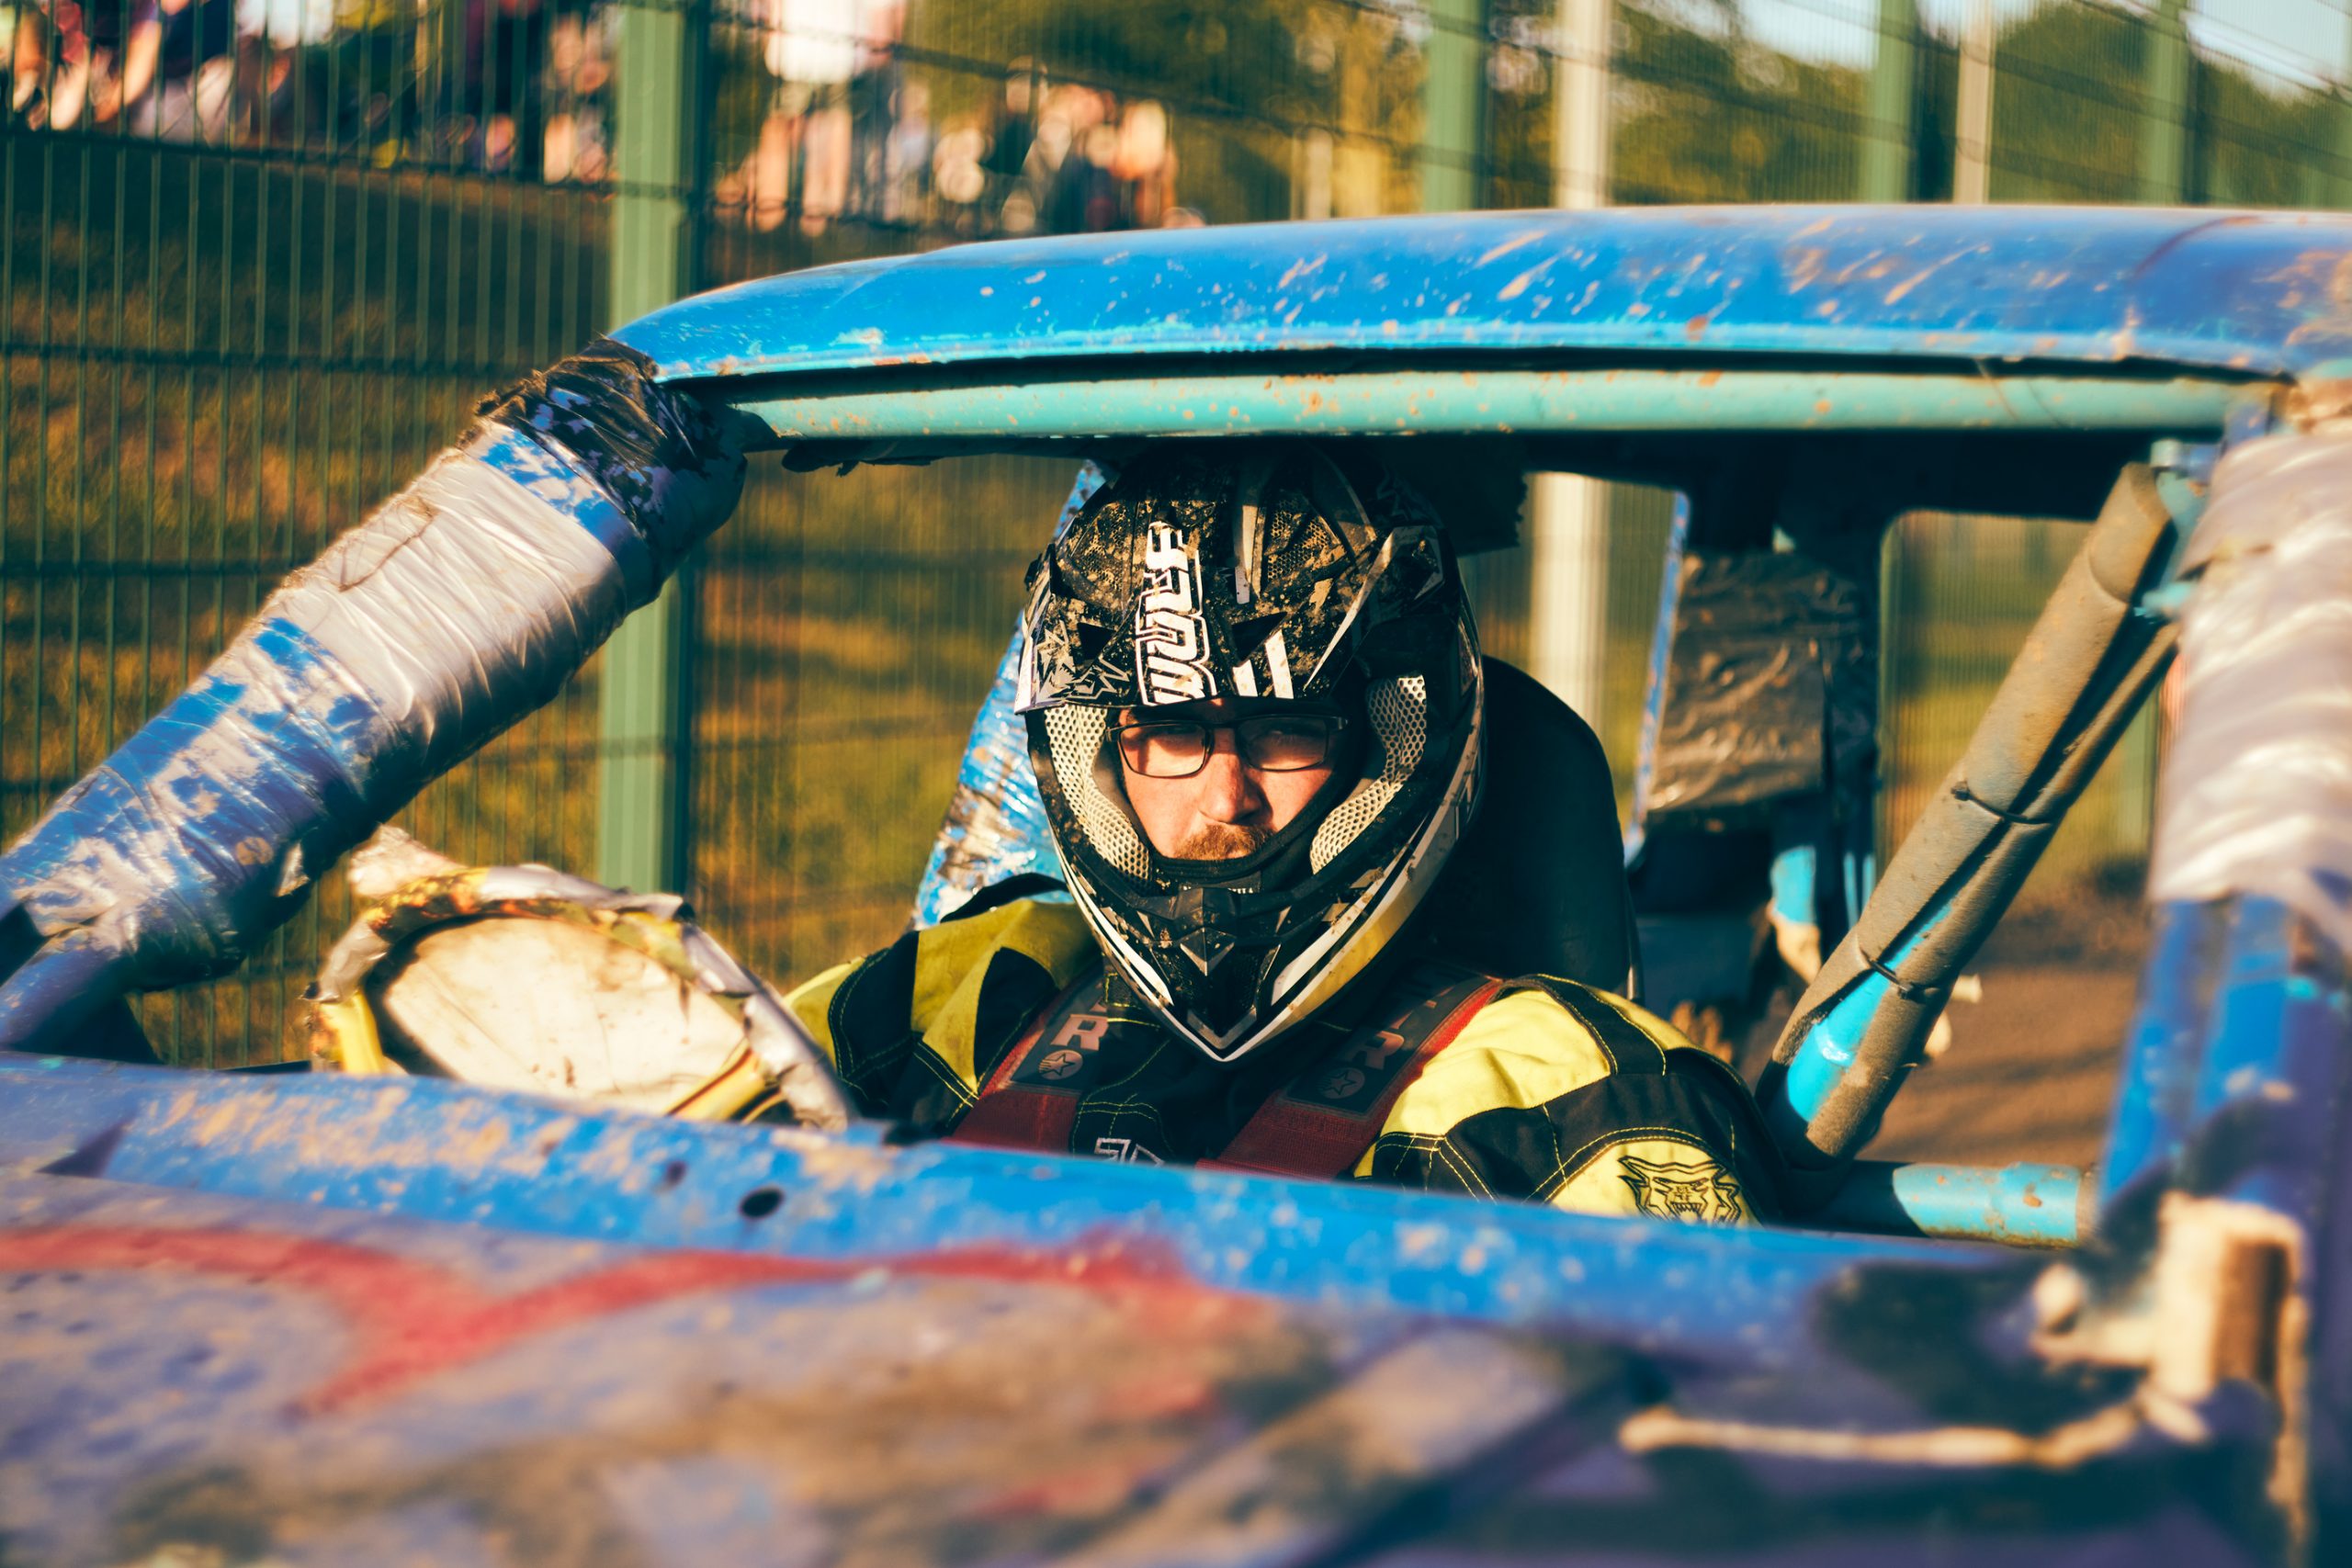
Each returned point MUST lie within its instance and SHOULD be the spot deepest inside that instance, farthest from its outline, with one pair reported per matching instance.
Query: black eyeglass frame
(1335, 725)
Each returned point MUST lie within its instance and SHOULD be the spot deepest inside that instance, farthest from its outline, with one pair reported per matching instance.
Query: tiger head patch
(1697, 1193)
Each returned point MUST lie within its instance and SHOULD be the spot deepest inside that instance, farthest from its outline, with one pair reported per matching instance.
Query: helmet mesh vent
(1399, 714)
(1075, 736)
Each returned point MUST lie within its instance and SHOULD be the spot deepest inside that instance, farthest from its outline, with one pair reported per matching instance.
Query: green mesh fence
(260, 259)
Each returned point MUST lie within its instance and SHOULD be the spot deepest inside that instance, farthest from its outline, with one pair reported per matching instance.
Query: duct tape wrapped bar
(2257, 796)
(459, 605)
(1863, 1022)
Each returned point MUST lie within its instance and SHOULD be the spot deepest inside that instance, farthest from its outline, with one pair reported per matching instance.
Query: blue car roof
(2263, 293)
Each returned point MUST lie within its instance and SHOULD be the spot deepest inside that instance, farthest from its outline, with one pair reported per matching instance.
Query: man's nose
(1228, 791)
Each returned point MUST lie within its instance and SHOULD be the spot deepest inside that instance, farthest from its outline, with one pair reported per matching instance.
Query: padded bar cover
(2089, 661)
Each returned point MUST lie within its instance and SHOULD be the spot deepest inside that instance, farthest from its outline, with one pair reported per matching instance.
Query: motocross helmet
(1296, 572)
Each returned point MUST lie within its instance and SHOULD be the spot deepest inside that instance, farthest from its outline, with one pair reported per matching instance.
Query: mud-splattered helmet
(1292, 571)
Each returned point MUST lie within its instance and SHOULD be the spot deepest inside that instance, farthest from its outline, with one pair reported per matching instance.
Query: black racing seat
(1539, 885)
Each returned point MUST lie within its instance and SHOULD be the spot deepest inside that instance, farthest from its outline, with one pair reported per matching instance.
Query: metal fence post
(1453, 103)
(2338, 192)
(1886, 142)
(1971, 171)
(1568, 567)
(645, 730)
(2164, 146)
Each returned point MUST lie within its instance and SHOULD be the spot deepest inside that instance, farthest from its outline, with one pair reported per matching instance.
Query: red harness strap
(1321, 1122)
(1031, 1100)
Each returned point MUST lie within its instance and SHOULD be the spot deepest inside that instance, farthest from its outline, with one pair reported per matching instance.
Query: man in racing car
(1255, 708)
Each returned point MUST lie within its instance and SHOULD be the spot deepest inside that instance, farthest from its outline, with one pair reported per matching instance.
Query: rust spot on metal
(1514, 243)
(1298, 269)
(1519, 284)
(1895, 294)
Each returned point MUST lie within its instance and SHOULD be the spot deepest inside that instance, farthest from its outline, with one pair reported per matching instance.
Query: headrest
(1539, 885)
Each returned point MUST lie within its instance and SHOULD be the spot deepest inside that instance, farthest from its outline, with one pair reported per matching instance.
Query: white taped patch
(2256, 795)
(459, 605)
(1172, 639)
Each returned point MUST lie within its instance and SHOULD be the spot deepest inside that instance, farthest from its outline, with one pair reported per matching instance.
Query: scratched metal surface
(2265, 293)
(442, 1151)
(255, 1326)
(296, 1384)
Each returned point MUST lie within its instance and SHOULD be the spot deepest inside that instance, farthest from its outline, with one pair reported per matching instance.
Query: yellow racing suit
(997, 1027)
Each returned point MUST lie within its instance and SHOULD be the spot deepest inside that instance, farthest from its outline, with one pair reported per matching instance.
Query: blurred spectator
(1145, 167)
(824, 147)
(67, 62)
(956, 176)
(371, 65)
(581, 68)
(499, 81)
(1010, 138)
(30, 48)
(875, 75)
(179, 69)
(1103, 167)
(906, 157)
(1084, 196)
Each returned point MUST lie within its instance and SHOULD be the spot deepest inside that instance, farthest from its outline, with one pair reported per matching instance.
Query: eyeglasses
(1272, 743)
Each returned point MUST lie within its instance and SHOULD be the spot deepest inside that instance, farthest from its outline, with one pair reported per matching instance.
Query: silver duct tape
(457, 606)
(188, 837)
(465, 602)
(2258, 792)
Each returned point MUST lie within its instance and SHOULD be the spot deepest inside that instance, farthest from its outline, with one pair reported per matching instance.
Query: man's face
(1231, 805)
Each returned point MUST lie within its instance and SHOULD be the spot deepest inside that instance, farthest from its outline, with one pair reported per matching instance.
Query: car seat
(1539, 885)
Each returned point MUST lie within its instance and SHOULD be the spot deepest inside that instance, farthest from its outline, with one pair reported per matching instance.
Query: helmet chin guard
(1294, 574)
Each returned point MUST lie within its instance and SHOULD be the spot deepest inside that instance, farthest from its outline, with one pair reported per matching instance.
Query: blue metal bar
(1424, 402)
(2274, 1063)
(1669, 598)
(1829, 1046)
(2155, 1089)
(429, 1149)
(2024, 1206)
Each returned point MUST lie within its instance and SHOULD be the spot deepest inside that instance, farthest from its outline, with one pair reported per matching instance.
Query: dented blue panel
(444, 1152)
(2250, 292)
(195, 1376)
